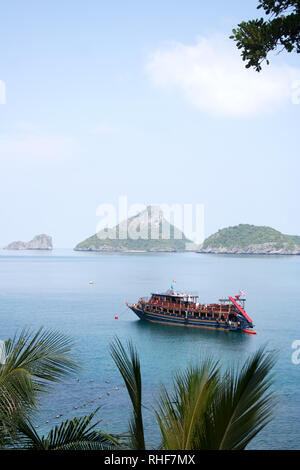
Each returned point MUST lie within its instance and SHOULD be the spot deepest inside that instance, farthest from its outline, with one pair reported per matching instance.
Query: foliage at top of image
(257, 38)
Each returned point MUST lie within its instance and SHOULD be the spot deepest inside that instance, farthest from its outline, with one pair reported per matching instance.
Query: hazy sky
(147, 99)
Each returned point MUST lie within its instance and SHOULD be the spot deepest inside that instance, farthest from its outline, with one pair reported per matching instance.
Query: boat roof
(173, 293)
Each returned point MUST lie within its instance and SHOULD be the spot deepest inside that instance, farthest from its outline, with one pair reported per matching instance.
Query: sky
(148, 100)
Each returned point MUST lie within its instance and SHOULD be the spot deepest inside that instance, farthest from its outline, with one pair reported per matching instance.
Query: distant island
(251, 239)
(147, 221)
(39, 242)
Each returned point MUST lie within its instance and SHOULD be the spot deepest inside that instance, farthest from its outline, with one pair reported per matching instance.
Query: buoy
(116, 317)
(117, 389)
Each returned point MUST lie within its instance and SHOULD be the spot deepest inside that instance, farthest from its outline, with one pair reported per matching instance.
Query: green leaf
(129, 367)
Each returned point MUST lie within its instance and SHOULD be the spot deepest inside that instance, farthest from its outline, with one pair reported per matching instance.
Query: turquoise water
(52, 289)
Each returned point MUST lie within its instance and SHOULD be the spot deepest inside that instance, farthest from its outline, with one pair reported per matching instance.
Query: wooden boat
(173, 308)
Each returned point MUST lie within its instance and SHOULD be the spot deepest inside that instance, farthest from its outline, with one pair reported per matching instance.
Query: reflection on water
(182, 333)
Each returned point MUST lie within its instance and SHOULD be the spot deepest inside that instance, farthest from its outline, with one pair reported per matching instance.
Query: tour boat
(173, 308)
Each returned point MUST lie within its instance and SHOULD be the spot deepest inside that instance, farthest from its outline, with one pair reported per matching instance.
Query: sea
(53, 290)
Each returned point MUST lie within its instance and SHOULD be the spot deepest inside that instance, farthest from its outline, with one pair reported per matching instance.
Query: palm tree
(206, 409)
(129, 367)
(75, 434)
(32, 362)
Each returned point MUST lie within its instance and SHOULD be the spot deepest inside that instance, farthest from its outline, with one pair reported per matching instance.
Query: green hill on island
(147, 223)
(251, 239)
(295, 238)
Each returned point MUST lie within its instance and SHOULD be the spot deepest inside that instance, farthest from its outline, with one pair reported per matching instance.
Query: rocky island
(150, 226)
(39, 242)
(251, 239)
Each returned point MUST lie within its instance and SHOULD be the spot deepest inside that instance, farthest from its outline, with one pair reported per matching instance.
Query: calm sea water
(52, 289)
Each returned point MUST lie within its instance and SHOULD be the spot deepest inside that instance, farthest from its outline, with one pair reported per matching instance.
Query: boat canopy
(173, 294)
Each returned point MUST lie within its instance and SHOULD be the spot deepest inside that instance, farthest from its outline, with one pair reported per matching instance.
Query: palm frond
(129, 367)
(75, 434)
(180, 413)
(33, 361)
(25, 435)
(243, 405)
(44, 354)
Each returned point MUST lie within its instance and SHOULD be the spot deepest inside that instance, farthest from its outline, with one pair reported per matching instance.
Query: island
(247, 239)
(39, 242)
(151, 228)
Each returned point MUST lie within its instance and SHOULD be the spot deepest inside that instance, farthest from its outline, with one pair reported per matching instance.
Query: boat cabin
(184, 300)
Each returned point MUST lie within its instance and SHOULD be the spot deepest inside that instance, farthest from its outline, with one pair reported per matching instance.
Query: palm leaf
(33, 361)
(75, 434)
(243, 405)
(44, 354)
(129, 367)
(180, 412)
